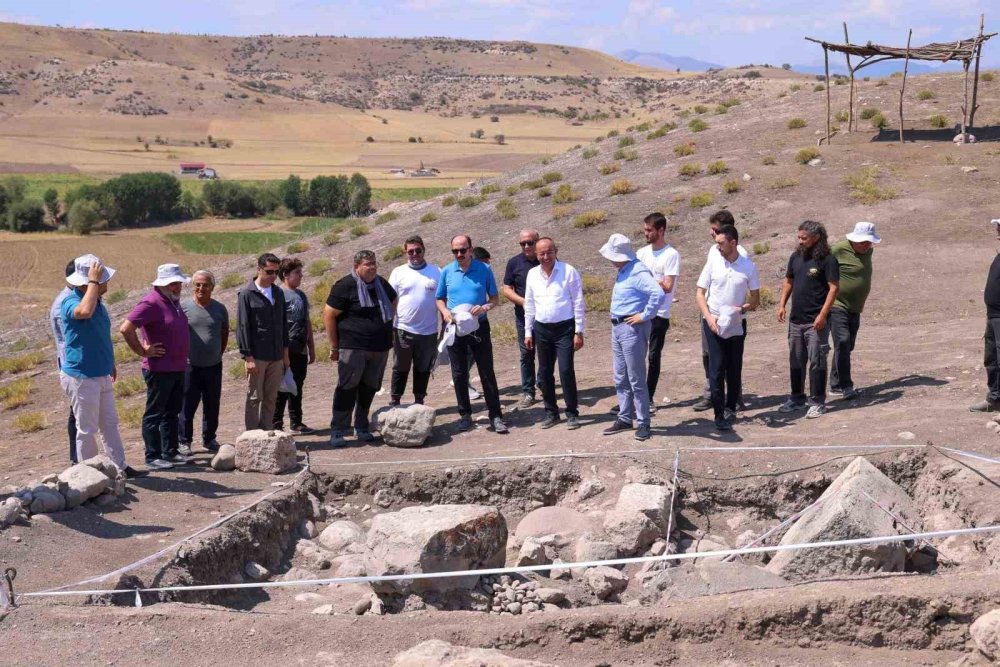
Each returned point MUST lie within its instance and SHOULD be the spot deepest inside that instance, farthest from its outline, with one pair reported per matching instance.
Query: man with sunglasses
(468, 284)
(514, 280)
(414, 334)
(262, 335)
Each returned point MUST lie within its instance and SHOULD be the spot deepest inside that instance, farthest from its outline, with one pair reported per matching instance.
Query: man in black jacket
(991, 357)
(262, 334)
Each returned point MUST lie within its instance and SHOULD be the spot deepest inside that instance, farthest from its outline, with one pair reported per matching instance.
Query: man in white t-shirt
(414, 333)
(728, 288)
(665, 263)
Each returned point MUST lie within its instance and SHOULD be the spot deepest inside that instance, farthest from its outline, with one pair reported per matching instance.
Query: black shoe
(722, 425)
(652, 408)
(702, 405)
(615, 410)
(302, 429)
(499, 426)
(464, 424)
(394, 402)
(549, 421)
(572, 423)
(617, 427)
(212, 445)
(642, 433)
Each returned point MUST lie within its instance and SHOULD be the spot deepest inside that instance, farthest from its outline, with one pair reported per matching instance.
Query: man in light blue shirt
(55, 320)
(635, 299)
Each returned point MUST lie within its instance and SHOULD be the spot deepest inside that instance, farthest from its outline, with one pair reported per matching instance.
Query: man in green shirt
(854, 255)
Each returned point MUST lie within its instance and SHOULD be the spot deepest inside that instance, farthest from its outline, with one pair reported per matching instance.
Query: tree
(84, 217)
(135, 199)
(786, 67)
(328, 196)
(51, 200)
(190, 207)
(290, 192)
(359, 199)
(26, 215)
(4, 201)
(500, 139)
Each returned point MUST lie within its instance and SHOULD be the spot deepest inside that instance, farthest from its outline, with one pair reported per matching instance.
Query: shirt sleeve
(442, 288)
(491, 283)
(832, 269)
(672, 264)
(575, 285)
(705, 279)
(508, 274)
(753, 280)
(144, 313)
(788, 271)
(339, 298)
(647, 283)
(69, 305)
(244, 329)
(529, 307)
(390, 291)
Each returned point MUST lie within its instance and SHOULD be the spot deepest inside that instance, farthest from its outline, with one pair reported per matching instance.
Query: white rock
(747, 178)
(589, 488)
(341, 536)
(404, 427)
(104, 464)
(10, 511)
(590, 549)
(815, 162)
(969, 170)
(265, 451)
(905, 435)
(551, 595)
(324, 610)
(224, 459)
(83, 483)
(382, 498)
(532, 553)
(561, 573)
(256, 571)
(605, 581)
(309, 598)
(562, 521)
(438, 653)
(307, 529)
(351, 566)
(986, 633)
(653, 500)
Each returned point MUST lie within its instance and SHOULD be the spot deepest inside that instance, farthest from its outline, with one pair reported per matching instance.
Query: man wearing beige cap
(164, 351)
(854, 255)
(87, 370)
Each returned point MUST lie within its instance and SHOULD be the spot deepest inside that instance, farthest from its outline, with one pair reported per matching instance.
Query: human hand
(634, 319)
(477, 310)
(312, 355)
(820, 322)
(713, 324)
(577, 342)
(529, 342)
(153, 351)
(781, 314)
(334, 354)
(251, 366)
(95, 272)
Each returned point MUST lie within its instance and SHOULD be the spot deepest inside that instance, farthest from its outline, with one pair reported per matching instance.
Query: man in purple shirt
(164, 349)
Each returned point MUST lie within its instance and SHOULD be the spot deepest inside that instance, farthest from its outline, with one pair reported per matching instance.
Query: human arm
(88, 304)
(508, 284)
(529, 314)
(579, 309)
(244, 329)
(442, 305)
(754, 302)
(645, 282)
(702, 300)
(130, 333)
(786, 292)
(493, 297)
(310, 340)
(831, 295)
(330, 315)
(224, 334)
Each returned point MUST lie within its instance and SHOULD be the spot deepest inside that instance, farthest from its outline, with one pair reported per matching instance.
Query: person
(812, 281)
(414, 333)
(665, 263)
(358, 318)
(991, 354)
(728, 288)
(88, 370)
(56, 322)
(208, 326)
(301, 346)
(513, 288)
(635, 299)
(262, 336)
(468, 284)
(482, 254)
(554, 319)
(716, 221)
(164, 351)
(854, 258)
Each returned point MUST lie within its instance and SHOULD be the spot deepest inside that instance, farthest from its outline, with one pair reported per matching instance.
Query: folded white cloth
(729, 321)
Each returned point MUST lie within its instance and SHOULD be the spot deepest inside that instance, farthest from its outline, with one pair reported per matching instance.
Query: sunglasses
(459, 251)
(527, 244)
(271, 272)
(415, 251)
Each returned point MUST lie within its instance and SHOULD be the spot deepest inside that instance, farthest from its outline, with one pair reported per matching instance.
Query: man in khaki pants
(262, 335)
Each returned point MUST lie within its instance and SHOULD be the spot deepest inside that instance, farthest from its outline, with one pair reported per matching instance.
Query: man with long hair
(812, 281)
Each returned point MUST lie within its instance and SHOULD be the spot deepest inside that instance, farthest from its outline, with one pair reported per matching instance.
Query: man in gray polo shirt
(208, 323)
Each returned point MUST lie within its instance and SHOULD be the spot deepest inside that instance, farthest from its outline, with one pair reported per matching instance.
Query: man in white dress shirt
(554, 318)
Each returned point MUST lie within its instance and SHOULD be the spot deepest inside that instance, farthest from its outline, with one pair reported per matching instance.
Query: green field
(320, 225)
(229, 243)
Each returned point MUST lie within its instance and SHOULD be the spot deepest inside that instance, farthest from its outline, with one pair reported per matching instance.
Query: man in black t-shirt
(811, 280)
(513, 288)
(991, 356)
(358, 319)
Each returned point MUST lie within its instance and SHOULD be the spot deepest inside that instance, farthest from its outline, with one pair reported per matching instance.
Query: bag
(288, 383)
(447, 339)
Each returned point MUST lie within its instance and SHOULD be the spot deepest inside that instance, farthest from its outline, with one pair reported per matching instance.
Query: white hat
(618, 249)
(864, 232)
(81, 271)
(167, 274)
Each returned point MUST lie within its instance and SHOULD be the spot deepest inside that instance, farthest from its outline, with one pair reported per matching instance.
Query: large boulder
(438, 653)
(343, 536)
(103, 463)
(605, 581)
(45, 499)
(986, 633)
(846, 512)
(441, 538)
(561, 521)
(709, 578)
(653, 500)
(630, 531)
(265, 451)
(405, 427)
(82, 483)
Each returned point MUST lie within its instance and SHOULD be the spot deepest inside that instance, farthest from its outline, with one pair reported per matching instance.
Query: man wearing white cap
(635, 299)
(164, 350)
(854, 255)
(87, 370)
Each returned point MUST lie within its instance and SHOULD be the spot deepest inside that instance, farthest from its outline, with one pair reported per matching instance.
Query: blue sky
(730, 32)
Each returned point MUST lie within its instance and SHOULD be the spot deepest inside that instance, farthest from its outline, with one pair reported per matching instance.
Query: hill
(666, 61)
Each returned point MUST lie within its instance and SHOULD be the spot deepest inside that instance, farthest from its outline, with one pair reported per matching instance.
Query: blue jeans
(629, 344)
(164, 396)
(202, 384)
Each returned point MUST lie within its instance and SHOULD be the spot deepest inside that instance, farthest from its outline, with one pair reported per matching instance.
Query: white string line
(781, 525)
(971, 455)
(894, 517)
(861, 541)
(673, 494)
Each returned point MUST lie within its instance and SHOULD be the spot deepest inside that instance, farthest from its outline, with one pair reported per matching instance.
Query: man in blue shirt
(468, 284)
(55, 320)
(635, 299)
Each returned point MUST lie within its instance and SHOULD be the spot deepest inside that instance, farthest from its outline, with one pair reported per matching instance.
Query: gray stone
(532, 553)
(307, 529)
(605, 581)
(309, 598)
(104, 464)
(362, 606)
(224, 459)
(106, 499)
(439, 538)
(438, 653)
(382, 498)
(710, 578)
(83, 483)
(590, 487)
(46, 500)
(404, 427)
(550, 595)
(653, 500)
(351, 566)
(514, 608)
(316, 509)
(265, 451)
(10, 511)
(256, 571)
(561, 521)
(530, 607)
(323, 610)
(986, 633)
(590, 549)
(630, 531)
(342, 536)
(561, 573)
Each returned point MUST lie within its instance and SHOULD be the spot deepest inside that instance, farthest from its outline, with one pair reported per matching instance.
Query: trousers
(359, 377)
(659, 326)
(807, 350)
(416, 351)
(629, 344)
(527, 358)
(299, 365)
(93, 403)
(164, 398)
(480, 345)
(844, 331)
(991, 359)
(202, 385)
(725, 369)
(554, 344)
(262, 394)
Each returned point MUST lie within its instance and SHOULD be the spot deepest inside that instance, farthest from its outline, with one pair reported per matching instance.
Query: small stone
(561, 573)
(382, 498)
(514, 608)
(366, 508)
(256, 571)
(530, 607)
(659, 547)
(605, 581)
(986, 633)
(747, 178)
(969, 170)
(815, 162)
(307, 529)
(106, 499)
(378, 607)
(551, 595)
(532, 553)
(905, 435)
(15, 539)
(224, 459)
(309, 597)
(362, 606)
(589, 488)
(324, 610)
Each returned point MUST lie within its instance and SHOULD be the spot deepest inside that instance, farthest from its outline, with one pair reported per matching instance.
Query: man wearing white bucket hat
(991, 355)
(164, 352)
(635, 299)
(87, 370)
(854, 255)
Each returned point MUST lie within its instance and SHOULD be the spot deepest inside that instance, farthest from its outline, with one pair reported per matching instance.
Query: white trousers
(93, 403)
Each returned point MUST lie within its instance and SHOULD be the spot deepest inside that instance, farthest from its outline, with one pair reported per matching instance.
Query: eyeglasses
(202, 286)
(459, 251)
(271, 272)
(415, 251)
(527, 244)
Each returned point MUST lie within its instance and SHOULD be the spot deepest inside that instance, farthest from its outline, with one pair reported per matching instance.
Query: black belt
(618, 320)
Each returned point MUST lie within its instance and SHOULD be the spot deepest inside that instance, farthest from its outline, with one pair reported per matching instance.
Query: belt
(618, 320)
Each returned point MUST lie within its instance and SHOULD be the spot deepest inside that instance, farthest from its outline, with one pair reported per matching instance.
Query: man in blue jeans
(635, 299)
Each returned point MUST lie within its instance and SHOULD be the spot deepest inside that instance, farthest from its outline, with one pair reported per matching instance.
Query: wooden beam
(850, 95)
(826, 64)
(902, 88)
(965, 102)
(975, 77)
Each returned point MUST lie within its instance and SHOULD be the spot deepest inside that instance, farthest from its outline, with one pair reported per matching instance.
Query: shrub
(689, 170)
(590, 219)
(512, 190)
(622, 186)
(16, 394)
(683, 150)
(430, 216)
(662, 131)
(819, 87)
(986, 76)
(721, 109)
(393, 253)
(238, 370)
(560, 212)
(124, 354)
(718, 167)
(231, 280)
(796, 123)
(612, 133)
(868, 113)
(701, 200)
(471, 201)
(700, 109)
(503, 333)
(448, 201)
(752, 74)
(769, 160)
(731, 186)
(926, 95)
(129, 386)
(489, 189)
(865, 189)
(607, 169)
(388, 216)
(318, 268)
(806, 154)
(544, 192)
(627, 156)
(879, 122)
(625, 142)
(331, 238)
(21, 363)
(841, 117)
(532, 185)
(357, 231)
(26, 215)
(296, 247)
(507, 209)
(596, 293)
(84, 217)
(697, 125)
(731, 102)
(589, 153)
(761, 248)
(115, 297)
(767, 297)
(565, 194)
(29, 422)
(784, 183)
(551, 177)
(795, 87)
(130, 416)
(938, 120)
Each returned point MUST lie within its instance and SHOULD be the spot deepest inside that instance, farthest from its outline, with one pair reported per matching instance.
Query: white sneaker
(179, 459)
(159, 464)
(184, 450)
(473, 394)
(815, 411)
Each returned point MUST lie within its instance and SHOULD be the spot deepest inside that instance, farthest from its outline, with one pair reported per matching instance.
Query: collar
(555, 270)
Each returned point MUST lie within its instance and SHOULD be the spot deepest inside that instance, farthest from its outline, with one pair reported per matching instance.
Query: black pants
(359, 377)
(554, 344)
(164, 396)
(418, 351)
(480, 345)
(991, 359)
(71, 429)
(657, 339)
(299, 363)
(725, 369)
(202, 385)
(844, 331)
(527, 358)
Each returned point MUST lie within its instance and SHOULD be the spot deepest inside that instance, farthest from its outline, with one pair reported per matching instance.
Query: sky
(728, 32)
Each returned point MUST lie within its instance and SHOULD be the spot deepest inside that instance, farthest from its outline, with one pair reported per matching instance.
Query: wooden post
(965, 102)
(902, 88)
(850, 99)
(826, 64)
(975, 77)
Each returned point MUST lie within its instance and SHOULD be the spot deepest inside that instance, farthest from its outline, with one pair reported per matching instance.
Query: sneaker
(615, 410)
(499, 426)
(363, 436)
(394, 402)
(791, 405)
(702, 405)
(278, 426)
(212, 445)
(527, 400)
(617, 427)
(723, 426)
(642, 433)
(337, 439)
(549, 421)
(301, 429)
(572, 423)
(130, 472)
(729, 415)
(850, 394)
(464, 424)
(815, 411)
(184, 449)
(984, 406)
(835, 390)
(178, 459)
(652, 408)
(159, 464)
(474, 394)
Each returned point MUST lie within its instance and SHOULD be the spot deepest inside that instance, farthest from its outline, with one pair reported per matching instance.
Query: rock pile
(512, 595)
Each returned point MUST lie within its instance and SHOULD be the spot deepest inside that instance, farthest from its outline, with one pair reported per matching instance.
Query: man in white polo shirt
(554, 317)
(665, 263)
(414, 336)
(727, 289)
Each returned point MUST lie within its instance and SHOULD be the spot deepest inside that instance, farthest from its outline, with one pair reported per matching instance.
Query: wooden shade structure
(965, 50)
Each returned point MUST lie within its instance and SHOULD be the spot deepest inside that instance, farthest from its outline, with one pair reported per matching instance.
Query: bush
(612, 133)
(752, 74)
(938, 120)
(986, 76)
(26, 215)
(134, 199)
(879, 122)
(701, 200)
(551, 177)
(806, 154)
(231, 280)
(718, 167)
(295, 247)
(560, 212)
(532, 185)
(318, 268)
(115, 297)
(700, 109)
(721, 109)
(565, 194)
(544, 192)
(767, 297)
(507, 209)
(697, 125)
(590, 219)
(819, 87)
(190, 207)
(795, 87)
(471, 201)
(622, 186)
(357, 231)
(129, 386)
(84, 217)
(448, 201)
(607, 169)
(662, 131)
(731, 186)
(769, 160)
(796, 123)
(761, 248)
(782, 183)
(393, 253)
(489, 189)
(430, 216)
(29, 422)
(865, 189)
(596, 293)
(926, 95)
(625, 142)
(331, 238)
(683, 150)
(388, 216)
(841, 117)
(292, 194)
(689, 170)
(627, 156)
(589, 153)
(868, 113)
(731, 102)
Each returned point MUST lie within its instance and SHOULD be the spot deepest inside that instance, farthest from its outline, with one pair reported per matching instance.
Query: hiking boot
(527, 400)
(549, 421)
(617, 427)
(791, 405)
(464, 424)
(337, 439)
(363, 436)
(159, 464)
(722, 425)
(702, 405)
(815, 411)
(572, 423)
(643, 433)
(851, 393)
(499, 426)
